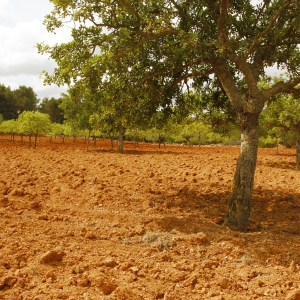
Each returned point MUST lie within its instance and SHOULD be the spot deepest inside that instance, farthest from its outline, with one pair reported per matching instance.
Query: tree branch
(263, 34)
(283, 87)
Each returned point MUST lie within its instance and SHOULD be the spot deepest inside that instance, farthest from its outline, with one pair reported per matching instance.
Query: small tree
(56, 129)
(10, 126)
(33, 122)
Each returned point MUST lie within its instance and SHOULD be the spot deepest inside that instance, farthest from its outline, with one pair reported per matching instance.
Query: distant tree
(56, 129)
(8, 107)
(34, 123)
(52, 108)
(281, 116)
(25, 99)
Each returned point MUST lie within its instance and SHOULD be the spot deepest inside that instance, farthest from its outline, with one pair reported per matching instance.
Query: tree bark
(239, 204)
(298, 146)
(35, 139)
(29, 141)
(112, 142)
(121, 139)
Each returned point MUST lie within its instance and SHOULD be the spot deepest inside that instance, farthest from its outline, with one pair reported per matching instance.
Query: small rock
(224, 283)
(109, 262)
(8, 281)
(147, 204)
(139, 229)
(134, 270)
(17, 192)
(99, 280)
(52, 256)
(90, 235)
(292, 266)
(56, 189)
(3, 188)
(123, 293)
(84, 282)
(43, 217)
(4, 202)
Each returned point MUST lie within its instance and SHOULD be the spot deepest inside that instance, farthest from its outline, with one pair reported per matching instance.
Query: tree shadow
(280, 165)
(273, 231)
(273, 211)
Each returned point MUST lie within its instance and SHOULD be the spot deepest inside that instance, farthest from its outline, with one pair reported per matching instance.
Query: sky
(21, 28)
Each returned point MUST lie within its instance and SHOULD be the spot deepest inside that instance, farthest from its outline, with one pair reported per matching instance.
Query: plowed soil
(146, 224)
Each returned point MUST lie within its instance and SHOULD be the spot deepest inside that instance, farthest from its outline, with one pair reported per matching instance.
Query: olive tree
(171, 45)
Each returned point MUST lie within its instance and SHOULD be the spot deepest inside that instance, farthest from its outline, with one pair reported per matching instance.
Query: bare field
(147, 224)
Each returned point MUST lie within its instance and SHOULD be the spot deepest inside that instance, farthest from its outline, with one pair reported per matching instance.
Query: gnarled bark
(239, 204)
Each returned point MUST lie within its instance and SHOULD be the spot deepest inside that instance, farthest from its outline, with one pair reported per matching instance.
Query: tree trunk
(112, 142)
(35, 139)
(121, 139)
(298, 146)
(87, 142)
(239, 204)
(74, 142)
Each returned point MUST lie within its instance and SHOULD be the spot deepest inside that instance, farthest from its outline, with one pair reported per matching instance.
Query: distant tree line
(14, 102)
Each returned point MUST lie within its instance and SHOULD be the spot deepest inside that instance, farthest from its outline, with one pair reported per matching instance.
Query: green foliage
(268, 142)
(1, 118)
(51, 107)
(31, 122)
(8, 108)
(279, 121)
(25, 99)
(13, 102)
(10, 126)
(57, 129)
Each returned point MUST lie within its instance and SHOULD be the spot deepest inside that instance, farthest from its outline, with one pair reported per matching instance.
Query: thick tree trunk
(298, 146)
(121, 139)
(239, 204)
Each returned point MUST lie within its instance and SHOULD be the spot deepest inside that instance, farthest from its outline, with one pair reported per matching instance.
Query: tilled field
(146, 224)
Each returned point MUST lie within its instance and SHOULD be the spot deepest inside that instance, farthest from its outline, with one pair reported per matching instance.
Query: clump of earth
(146, 224)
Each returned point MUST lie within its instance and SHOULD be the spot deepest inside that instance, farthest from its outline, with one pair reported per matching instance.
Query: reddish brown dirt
(96, 224)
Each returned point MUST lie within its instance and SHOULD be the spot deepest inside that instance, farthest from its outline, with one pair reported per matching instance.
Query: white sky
(21, 28)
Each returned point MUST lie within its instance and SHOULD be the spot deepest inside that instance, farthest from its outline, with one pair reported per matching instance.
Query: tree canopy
(14, 102)
(51, 107)
(172, 46)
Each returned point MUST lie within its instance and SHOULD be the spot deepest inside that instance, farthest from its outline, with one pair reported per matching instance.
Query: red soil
(96, 224)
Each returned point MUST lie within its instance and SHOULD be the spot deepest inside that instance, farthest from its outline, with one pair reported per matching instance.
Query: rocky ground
(146, 224)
